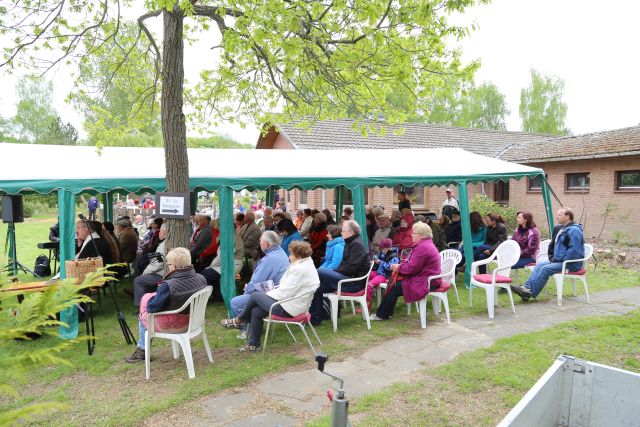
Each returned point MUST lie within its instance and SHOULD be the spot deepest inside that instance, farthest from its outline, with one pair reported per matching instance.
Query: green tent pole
(339, 198)
(66, 221)
(466, 233)
(108, 206)
(546, 196)
(269, 199)
(227, 232)
(359, 211)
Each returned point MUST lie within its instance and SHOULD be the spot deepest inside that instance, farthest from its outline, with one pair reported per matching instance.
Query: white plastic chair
(448, 269)
(457, 257)
(580, 275)
(197, 304)
(505, 255)
(301, 320)
(359, 297)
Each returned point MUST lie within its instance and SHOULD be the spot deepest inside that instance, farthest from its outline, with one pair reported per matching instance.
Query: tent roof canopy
(45, 168)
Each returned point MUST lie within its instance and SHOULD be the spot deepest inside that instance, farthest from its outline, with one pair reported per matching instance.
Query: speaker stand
(15, 266)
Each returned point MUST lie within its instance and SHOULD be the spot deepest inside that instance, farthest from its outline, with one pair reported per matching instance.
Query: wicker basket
(79, 268)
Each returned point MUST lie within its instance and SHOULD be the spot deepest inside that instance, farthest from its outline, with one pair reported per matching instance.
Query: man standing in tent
(93, 207)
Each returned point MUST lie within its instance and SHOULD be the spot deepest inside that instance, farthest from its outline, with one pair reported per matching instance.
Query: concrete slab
(267, 419)
(219, 409)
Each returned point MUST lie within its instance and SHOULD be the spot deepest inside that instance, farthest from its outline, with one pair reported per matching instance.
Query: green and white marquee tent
(71, 170)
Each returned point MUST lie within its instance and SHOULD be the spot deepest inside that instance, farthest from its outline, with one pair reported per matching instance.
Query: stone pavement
(283, 399)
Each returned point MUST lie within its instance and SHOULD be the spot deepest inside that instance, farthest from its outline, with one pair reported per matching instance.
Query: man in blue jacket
(567, 243)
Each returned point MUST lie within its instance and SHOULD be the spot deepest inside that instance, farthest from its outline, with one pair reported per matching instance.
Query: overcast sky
(591, 45)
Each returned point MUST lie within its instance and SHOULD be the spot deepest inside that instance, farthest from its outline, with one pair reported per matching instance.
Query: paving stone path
(283, 399)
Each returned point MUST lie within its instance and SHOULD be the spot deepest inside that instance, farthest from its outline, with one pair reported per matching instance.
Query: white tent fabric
(48, 162)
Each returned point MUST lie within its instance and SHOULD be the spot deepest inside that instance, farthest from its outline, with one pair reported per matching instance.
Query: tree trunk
(174, 132)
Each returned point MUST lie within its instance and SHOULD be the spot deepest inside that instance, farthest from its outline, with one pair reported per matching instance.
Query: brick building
(598, 174)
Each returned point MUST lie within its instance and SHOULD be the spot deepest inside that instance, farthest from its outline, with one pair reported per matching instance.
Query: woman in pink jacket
(422, 263)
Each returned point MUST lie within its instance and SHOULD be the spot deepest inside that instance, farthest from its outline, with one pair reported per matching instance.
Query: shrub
(484, 205)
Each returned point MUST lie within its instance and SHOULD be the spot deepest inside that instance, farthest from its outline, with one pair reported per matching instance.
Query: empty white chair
(197, 305)
(505, 255)
(580, 275)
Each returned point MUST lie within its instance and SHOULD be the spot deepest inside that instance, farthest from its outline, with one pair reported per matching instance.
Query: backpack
(43, 266)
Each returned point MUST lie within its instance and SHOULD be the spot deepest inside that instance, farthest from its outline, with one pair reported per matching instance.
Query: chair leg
(586, 290)
(290, 333)
(471, 295)
(176, 349)
(445, 302)
(513, 307)
(313, 350)
(314, 333)
(266, 337)
(491, 294)
(455, 288)
(353, 307)
(423, 312)
(558, 278)
(334, 313)
(147, 354)
(185, 343)
(435, 302)
(365, 311)
(379, 295)
(206, 346)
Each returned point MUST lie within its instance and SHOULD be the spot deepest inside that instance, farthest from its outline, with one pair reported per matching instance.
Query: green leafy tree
(542, 109)
(312, 59)
(35, 113)
(60, 133)
(469, 106)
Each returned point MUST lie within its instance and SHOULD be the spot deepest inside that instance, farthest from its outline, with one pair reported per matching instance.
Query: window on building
(578, 181)
(414, 194)
(534, 184)
(501, 192)
(303, 197)
(628, 180)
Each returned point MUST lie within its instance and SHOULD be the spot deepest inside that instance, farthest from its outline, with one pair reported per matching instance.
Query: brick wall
(588, 207)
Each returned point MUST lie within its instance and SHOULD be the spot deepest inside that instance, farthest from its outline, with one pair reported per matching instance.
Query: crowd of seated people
(290, 256)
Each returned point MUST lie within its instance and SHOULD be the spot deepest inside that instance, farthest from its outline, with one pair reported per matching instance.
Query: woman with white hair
(414, 272)
(178, 285)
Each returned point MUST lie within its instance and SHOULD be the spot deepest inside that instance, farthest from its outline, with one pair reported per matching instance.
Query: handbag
(79, 268)
(395, 276)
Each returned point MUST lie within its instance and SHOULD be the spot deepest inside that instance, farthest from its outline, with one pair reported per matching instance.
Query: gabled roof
(340, 134)
(613, 143)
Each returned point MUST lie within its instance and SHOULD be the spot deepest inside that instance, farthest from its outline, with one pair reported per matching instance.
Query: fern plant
(35, 314)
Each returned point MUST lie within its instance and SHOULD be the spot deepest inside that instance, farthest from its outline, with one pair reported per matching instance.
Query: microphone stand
(124, 327)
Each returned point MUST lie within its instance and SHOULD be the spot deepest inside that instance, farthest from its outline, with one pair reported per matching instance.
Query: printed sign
(172, 205)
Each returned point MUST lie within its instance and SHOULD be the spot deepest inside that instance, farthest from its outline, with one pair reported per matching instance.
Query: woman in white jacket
(300, 278)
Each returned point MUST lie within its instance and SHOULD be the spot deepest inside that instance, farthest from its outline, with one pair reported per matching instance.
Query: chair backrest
(451, 253)
(448, 269)
(588, 252)
(543, 250)
(198, 307)
(507, 254)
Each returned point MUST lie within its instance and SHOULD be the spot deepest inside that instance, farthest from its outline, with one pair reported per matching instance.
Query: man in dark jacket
(90, 245)
(177, 287)
(567, 243)
(201, 239)
(355, 263)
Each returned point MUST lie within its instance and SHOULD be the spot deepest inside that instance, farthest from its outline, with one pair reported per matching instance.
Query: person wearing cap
(403, 202)
(382, 269)
(384, 231)
(450, 204)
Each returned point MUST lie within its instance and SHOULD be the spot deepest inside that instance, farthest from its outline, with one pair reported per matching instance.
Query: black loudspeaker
(12, 209)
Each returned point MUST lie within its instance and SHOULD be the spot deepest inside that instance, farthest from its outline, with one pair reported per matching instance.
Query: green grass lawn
(480, 387)
(102, 389)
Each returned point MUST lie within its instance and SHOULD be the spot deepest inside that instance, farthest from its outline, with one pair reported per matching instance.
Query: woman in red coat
(402, 238)
(318, 237)
(422, 263)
